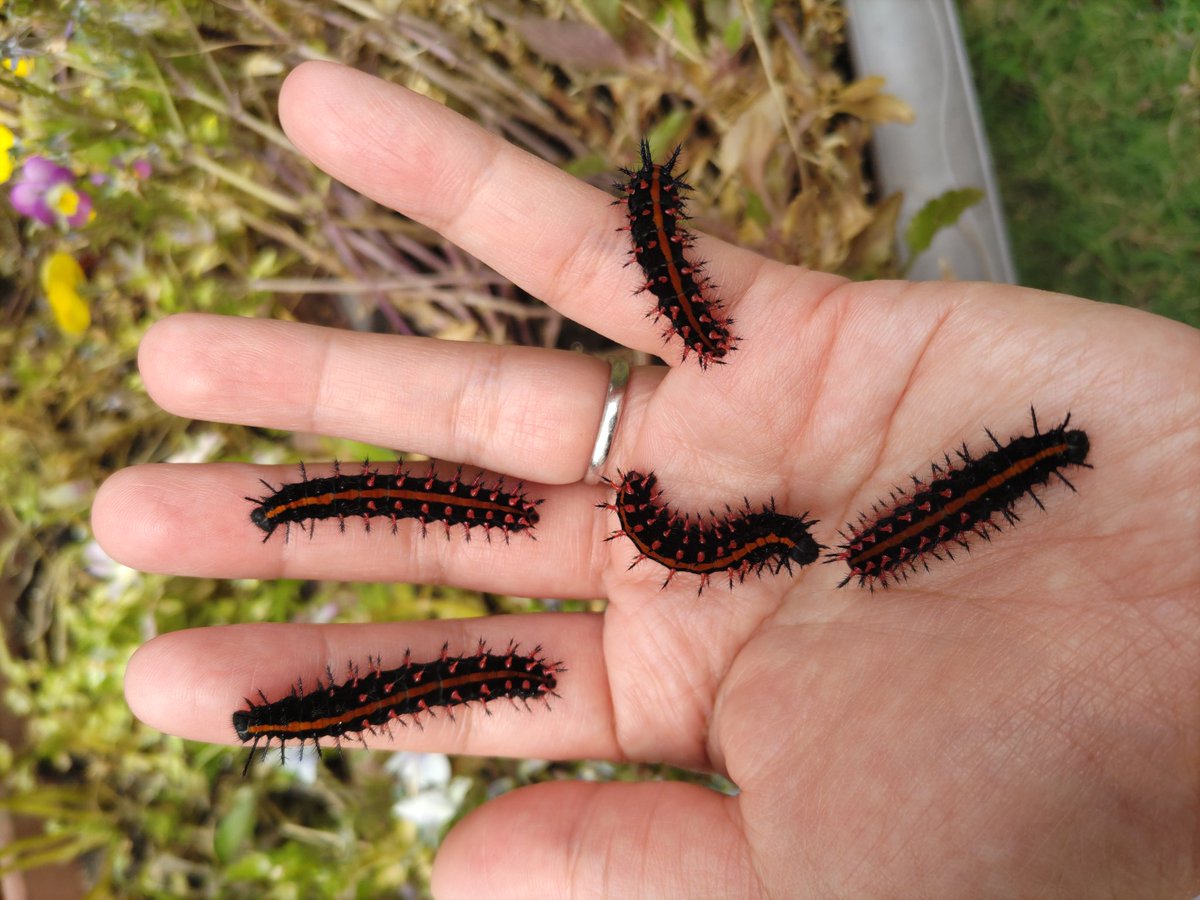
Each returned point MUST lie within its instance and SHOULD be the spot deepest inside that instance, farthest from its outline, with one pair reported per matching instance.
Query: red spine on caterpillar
(655, 207)
(736, 543)
(395, 495)
(962, 499)
(372, 700)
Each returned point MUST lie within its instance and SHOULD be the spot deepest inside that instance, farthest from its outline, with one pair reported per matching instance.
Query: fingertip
(153, 689)
(322, 105)
(585, 839)
(123, 521)
(184, 682)
(146, 517)
(174, 376)
(137, 674)
(158, 336)
(223, 368)
(296, 95)
(305, 74)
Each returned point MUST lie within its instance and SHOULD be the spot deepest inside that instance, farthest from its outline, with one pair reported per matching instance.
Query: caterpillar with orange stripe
(740, 542)
(373, 700)
(655, 207)
(395, 495)
(961, 500)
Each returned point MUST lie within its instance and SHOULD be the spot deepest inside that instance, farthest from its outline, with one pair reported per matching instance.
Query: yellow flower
(6, 144)
(61, 278)
(19, 67)
(64, 200)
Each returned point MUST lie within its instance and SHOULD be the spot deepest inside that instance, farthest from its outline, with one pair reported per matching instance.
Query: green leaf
(607, 13)
(733, 35)
(679, 15)
(586, 166)
(756, 210)
(940, 212)
(236, 827)
(664, 135)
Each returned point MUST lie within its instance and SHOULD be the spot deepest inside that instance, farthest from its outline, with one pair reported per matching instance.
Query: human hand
(1025, 721)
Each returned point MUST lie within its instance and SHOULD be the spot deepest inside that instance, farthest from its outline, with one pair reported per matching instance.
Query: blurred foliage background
(145, 173)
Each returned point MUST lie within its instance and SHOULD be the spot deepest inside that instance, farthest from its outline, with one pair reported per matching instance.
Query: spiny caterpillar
(655, 207)
(371, 701)
(737, 543)
(959, 501)
(395, 495)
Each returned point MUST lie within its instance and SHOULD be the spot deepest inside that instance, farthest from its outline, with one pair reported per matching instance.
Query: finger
(195, 520)
(527, 412)
(575, 839)
(546, 231)
(190, 683)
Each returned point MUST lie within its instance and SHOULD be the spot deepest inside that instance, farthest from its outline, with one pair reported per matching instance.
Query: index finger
(190, 682)
(545, 230)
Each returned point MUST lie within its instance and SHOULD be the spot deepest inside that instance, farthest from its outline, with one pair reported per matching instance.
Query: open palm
(1025, 721)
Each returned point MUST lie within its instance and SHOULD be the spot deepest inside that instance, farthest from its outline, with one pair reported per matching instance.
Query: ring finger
(527, 412)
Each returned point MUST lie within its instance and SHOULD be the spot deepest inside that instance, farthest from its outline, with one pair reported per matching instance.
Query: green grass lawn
(1093, 112)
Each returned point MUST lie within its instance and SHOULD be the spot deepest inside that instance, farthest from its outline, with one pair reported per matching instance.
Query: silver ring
(617, 381)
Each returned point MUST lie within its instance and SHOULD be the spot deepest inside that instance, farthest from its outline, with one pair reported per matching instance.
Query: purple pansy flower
(46, 191)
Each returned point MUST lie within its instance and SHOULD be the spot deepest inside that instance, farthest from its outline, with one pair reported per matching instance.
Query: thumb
(575, 839)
